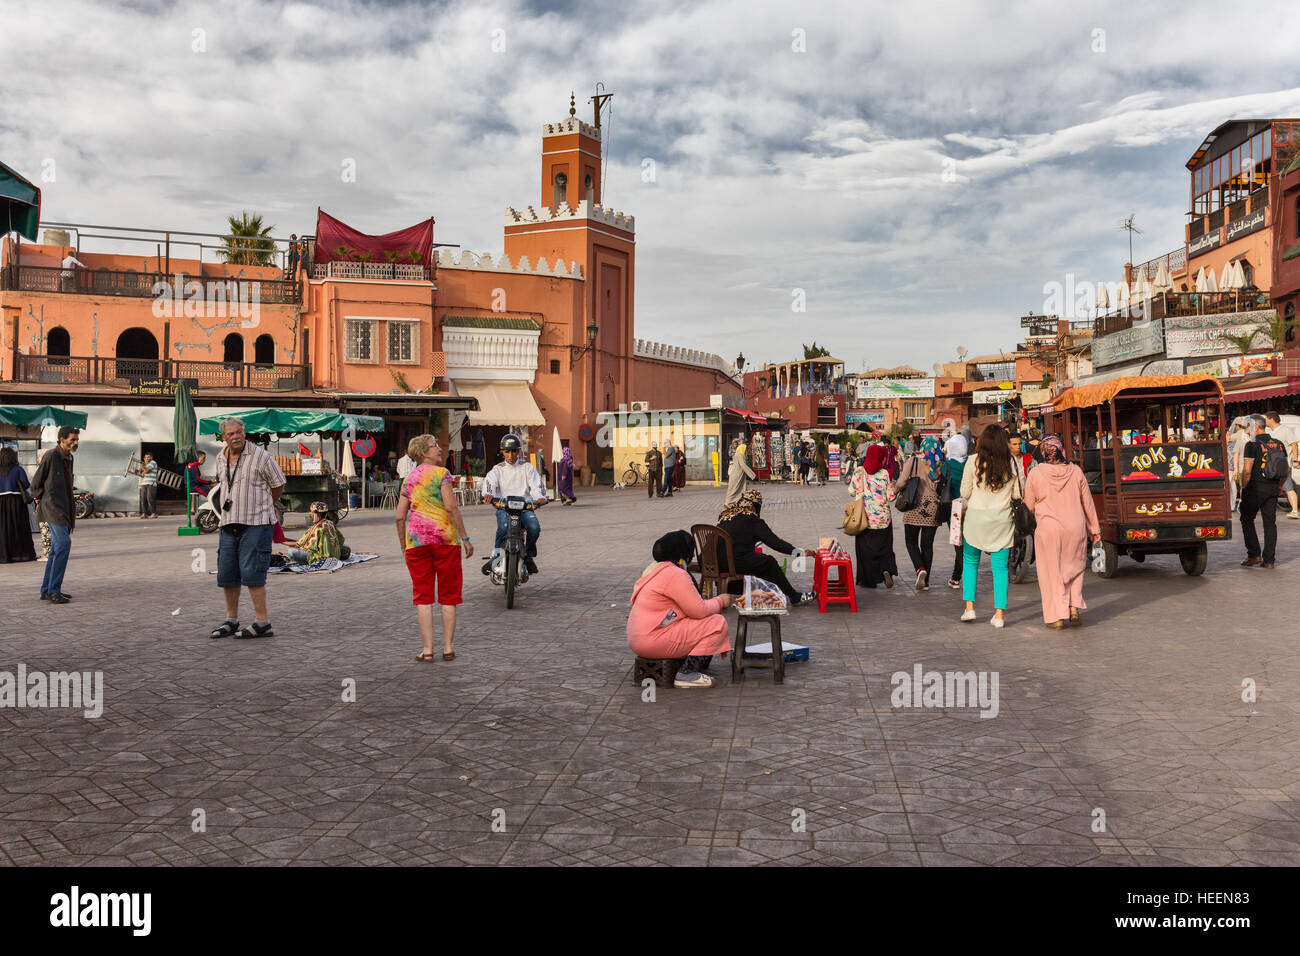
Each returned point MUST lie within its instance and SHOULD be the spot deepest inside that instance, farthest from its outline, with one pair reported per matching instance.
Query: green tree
(248, 243)
(815, 351)
(1241, 341)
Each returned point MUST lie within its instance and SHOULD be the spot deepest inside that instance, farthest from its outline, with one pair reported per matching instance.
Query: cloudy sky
(919, 171)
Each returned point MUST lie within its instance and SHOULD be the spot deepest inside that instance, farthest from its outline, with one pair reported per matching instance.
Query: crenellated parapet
(484, 262)
(672, 353)
(565, 213)
(570, 124)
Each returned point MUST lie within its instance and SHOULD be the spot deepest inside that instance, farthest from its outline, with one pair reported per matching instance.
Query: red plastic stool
(837, 590)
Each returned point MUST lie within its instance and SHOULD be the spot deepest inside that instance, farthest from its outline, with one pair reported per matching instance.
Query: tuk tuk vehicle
(1154, 452)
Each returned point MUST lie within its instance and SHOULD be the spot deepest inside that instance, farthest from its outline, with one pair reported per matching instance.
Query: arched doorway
(233, 349)
(58, 346)
(264, 350)
(137, 354)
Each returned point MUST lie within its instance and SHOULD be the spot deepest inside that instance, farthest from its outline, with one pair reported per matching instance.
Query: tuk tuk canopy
(290, 420)
(1086, 396)
(40, 415)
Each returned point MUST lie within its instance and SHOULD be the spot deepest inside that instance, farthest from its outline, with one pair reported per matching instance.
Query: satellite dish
(962, 353)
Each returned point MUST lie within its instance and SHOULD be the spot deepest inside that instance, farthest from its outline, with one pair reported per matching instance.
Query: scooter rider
(515, 478)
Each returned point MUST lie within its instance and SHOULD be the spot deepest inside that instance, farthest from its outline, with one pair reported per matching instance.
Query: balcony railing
(1174, 261)
(337, 269)
(118, 372)
(1182, 303)
(78, 281)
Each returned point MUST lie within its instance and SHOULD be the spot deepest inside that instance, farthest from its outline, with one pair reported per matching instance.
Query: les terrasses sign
(1251, 222)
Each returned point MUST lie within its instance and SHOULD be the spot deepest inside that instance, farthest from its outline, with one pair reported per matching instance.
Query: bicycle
(635, 473)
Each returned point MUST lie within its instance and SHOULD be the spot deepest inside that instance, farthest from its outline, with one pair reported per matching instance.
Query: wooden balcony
(120, 372)
(1182, 303)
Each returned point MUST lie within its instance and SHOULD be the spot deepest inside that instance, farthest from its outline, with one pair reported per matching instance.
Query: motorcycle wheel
(1023, 555)
(84, 508)
(512, 578)
(207, 521)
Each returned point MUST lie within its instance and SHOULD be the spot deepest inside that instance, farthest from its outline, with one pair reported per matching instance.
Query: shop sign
(1246, 225)
(1189, 462)
(1217, 368)
(1191, 336)
(871, 418)
(1033, 397)
(1245, 364)
(1128, 344)
(1203, 244)
(826, 401)
(161, 387)
(992, 396)
(896, 388)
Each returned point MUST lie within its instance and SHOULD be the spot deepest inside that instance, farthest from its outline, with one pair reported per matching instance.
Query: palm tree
(1277, 328)
(248, 243)
(1241, 341)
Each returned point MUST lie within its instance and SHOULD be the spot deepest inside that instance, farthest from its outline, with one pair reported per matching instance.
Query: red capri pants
(435, 573)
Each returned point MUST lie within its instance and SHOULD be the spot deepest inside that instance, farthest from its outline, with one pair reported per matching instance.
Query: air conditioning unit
(640, 406)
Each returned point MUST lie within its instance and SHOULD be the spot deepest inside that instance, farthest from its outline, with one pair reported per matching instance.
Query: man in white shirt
(515, 478)
(68, 275)
(405, 465)
(1287, 436)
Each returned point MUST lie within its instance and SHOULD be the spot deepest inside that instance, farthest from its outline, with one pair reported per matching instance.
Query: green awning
(40, 415)
(288, 420)
(20, 204)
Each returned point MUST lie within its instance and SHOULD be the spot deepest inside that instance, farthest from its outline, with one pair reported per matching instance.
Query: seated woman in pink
(670, 619)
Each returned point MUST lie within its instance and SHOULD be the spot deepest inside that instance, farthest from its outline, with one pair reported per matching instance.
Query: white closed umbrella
(349, 467)
(557, 452)
(1201, 285)
(1211, 284)
(1163, 282)
(1103, 297)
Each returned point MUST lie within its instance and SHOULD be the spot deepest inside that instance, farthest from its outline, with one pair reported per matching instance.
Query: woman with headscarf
(874, 547)
(1057, 493)
(954, 463)
(669, 619)
(744, 524)
(564, 477)
(739, 476)
(15, 521)
(989, 481)
(921, 522)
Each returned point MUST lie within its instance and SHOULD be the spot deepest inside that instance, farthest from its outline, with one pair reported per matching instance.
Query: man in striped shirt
(249, 484)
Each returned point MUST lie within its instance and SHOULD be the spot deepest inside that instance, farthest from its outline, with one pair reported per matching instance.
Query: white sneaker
(922, 581)
(998, 621)
(688, 681)
(1294, 514)
(968, 614)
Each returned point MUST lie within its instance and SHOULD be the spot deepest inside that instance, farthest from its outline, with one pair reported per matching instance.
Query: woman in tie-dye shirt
(432, 534)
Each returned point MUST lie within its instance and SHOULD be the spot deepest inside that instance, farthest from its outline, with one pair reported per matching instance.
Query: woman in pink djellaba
(1057, 493)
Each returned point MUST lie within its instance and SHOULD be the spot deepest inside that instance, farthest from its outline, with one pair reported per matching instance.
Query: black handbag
(911, 495)
(945, 490)
(1021, 516)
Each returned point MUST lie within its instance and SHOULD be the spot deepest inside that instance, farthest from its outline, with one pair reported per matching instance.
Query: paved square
(538, 728)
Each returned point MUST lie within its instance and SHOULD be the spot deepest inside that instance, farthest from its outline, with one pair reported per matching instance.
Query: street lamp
(576, 353)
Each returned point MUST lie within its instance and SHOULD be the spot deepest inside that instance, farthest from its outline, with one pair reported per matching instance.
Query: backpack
(1273, 465)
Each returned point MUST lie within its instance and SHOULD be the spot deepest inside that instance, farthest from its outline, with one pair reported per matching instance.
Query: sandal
(449, 656)
(425, 657)
(225, 630)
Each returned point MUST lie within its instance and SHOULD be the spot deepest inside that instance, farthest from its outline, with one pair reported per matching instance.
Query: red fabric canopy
(331, 234)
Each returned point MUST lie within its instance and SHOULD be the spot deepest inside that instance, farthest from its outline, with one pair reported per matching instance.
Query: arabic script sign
(1175, 507)
(1192, 461)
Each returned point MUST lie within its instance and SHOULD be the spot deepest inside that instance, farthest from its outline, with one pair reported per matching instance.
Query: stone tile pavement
(538, 728)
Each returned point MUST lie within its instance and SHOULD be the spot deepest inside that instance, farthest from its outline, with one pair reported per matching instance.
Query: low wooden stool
(663, 671)
(778, 652)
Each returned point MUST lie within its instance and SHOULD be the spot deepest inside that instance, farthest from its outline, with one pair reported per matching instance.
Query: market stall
(308, 477)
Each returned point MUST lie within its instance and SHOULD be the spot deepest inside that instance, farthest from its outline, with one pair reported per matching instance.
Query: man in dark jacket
(52, 491)
(654, 465)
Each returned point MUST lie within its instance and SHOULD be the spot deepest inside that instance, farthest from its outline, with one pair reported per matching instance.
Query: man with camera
(249, 483)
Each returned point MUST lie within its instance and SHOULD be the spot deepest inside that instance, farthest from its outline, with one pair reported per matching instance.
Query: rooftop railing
(142, 285)
(120, 372)
(1160, 306)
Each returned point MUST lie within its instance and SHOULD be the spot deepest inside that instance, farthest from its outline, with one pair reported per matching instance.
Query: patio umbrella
(1201, 285)
(1163, 282)
(184, 426)
(20, 204)
(1103, 297)
(557, 452)
(1211, 284)
(349, 466)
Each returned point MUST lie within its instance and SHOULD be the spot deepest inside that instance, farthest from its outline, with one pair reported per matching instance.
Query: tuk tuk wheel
(1111, 556)
(1193, 559)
